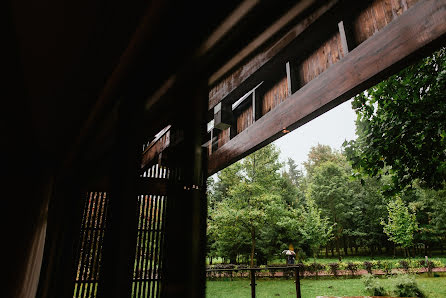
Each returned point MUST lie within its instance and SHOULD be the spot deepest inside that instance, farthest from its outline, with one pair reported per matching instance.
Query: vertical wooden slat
(152, 243)
(101, 224)
(85, 246)
(91, 249)
(88, 256)
(81, 235)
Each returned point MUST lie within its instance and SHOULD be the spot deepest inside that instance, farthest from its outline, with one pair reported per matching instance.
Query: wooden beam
(223, 117)
(263, 58)
(414, 33)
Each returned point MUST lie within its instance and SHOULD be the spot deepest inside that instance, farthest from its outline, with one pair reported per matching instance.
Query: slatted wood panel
(94, 219)
(151, 215)
(377, 16)
(274, 96)
(223, 137)
(245, 119)
(321, 59)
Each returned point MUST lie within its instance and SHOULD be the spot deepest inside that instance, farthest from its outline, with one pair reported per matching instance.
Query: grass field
(433, 287)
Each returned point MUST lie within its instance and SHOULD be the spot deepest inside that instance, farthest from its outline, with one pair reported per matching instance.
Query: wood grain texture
(274, 96)
(223, 137)
(231, 82)
(383, 54)
(321, 59)
(377, 16)
(245, 119)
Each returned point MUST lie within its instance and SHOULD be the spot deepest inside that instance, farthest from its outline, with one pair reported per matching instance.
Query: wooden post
(121, 231)
(183, 269)
(297, 281)
(253, 283)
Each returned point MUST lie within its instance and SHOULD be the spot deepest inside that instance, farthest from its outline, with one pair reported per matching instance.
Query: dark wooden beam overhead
(415, 33)
(243, 76)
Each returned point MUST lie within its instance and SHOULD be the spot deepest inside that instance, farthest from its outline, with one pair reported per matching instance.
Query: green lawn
(433, 287)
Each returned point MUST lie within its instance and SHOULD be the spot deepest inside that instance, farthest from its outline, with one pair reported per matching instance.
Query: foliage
(401, 223)
(352, 267)
(368, 266)
(387, 266)
(401, 126)
(249, 208)
(329, 189)
(406, 286)
(316, 231)
(334, 267)
(404, 264)
(373, 286)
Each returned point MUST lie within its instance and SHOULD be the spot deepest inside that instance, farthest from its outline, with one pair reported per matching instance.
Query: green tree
(315, 229)
(401, 124)
(401, 223)
(252, 203)
(318, 155)
(329, 189)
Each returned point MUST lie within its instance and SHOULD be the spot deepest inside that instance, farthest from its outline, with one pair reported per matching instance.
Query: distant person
(290, 256)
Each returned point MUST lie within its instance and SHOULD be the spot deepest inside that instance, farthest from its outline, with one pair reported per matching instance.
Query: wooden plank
(155, 148)
(413, 34)
(221, 90)
(292, 78)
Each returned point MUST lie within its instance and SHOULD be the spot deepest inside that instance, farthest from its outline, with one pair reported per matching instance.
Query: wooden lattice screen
(89, 254)
(150, 241)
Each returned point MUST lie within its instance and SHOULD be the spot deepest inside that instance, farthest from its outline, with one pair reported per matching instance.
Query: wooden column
(183, 265)
(64, 218)
(121, 231)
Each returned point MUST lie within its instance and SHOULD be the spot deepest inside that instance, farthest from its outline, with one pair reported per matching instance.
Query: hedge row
(333, 268)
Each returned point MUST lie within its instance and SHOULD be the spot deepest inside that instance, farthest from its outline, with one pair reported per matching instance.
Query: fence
(297, 269)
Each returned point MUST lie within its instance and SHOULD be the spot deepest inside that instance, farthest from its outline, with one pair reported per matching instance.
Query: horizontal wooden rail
(413, 34)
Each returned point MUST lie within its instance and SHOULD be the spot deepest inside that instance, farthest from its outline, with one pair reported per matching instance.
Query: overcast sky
(331, 128)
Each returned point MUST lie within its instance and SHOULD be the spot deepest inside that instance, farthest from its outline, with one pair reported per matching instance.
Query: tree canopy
(401, 126)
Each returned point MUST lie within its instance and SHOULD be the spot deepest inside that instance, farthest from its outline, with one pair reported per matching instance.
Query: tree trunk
(332, 249)
(338, 251)
(326, 251)
(344, 241)
(253, 245)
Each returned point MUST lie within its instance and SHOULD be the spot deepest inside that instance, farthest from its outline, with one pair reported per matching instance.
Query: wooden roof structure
(113, 97)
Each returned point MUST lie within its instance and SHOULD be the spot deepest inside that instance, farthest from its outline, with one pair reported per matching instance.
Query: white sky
(331, 128)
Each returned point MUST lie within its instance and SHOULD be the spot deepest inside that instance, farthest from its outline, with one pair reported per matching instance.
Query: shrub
(404, 264)
(372, 285)
(406, 286)
(368, 266)
(241, 272)
(334, 267)
(314, 268)
(387, 267)
(342, 266)
(352, 267)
